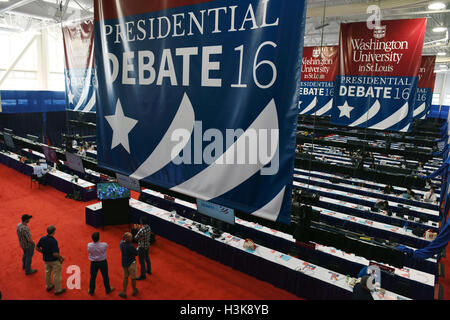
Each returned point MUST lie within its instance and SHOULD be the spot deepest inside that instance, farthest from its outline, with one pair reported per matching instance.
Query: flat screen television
(9, 140)
(112, 190)
(50, 154)
(128, 182)
(215, 211)
(74, 162)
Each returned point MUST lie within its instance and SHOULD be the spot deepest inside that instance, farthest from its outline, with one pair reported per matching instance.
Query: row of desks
(56, 178)
(423, 281)
(298, 276)
(366, 199)
(371, 187)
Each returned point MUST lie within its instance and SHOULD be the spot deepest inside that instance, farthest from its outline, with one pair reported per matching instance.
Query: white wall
(40, 68)
(442, 89)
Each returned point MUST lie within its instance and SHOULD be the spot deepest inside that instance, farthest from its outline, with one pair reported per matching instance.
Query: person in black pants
(97, 256)
(143, 239)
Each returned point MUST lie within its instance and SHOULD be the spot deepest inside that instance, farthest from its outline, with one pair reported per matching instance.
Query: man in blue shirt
(129, 254)
(48, 246)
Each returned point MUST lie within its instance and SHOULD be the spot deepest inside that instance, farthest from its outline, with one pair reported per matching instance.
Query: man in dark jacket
(361, 290)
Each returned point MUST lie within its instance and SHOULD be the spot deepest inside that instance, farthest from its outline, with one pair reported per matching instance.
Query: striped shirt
(24, 234)
(143, 237)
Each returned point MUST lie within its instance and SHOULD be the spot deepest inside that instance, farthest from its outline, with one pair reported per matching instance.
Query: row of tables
(60, 180)
(416, 278)
(298, 276)
(318, 272)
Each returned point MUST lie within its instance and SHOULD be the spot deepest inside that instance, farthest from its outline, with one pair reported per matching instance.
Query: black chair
(35, 179)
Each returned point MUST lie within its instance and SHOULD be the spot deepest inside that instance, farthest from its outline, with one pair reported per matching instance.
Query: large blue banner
(200, 97)
(377, 81)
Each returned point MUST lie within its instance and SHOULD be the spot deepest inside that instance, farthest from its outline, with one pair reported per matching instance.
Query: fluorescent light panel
(436, 6)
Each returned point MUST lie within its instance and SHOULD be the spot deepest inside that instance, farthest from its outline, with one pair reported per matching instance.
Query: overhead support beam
(16, 5)
(355, 9)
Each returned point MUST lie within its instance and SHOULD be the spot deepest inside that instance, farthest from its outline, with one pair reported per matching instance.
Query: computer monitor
(74, 162)
(9, 140)
(128, 182)
(112, 191)
(32, 138)
(215, 211)
(50, 154)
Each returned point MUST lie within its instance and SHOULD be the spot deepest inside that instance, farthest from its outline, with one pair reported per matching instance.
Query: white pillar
(43, 60)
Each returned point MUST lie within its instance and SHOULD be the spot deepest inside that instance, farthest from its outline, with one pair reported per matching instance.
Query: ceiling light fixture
(436, 6)
(439, 29)
(441, 53)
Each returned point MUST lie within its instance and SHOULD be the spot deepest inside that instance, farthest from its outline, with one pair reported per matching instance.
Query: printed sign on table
(378, 73)
(200, 97)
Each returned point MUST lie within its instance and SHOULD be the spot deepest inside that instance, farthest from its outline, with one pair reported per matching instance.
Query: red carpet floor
(178, 273)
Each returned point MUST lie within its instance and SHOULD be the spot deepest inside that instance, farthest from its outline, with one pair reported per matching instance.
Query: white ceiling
(27, 15)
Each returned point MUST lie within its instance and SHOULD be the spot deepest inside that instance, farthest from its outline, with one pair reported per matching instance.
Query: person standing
(48, 246)
(129, 254)
(26, 243)
(143, 238)
(361, 291)
(97, 256)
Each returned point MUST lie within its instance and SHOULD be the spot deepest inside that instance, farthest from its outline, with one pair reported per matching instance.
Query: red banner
(320, 63)
(79, 69)
(393, 49)
(109, 9)
(378, 74)
(427, 77)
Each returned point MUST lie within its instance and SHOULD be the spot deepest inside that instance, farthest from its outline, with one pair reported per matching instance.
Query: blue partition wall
(32, 101)
(40, 113)
(438, 112)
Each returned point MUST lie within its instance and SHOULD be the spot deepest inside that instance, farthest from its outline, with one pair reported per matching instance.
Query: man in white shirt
(40, 170)
(97, 256)
(430, 196)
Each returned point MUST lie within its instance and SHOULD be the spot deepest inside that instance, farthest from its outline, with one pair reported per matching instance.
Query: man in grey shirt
(97, 256)
(26, 243)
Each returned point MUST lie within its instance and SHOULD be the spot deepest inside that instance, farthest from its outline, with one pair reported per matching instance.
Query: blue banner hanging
(200, 97)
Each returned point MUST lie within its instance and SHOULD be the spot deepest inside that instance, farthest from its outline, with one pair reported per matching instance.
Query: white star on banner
(121, 126)
(70, 96)
(345, 110)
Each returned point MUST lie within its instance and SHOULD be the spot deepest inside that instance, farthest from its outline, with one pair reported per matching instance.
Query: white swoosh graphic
(90, 104)
(162, 155)
(395, 118)
(221, 177)
(325, 108)
(405, 129)
(85, 88)
(271, 210)
(372, 112)
(310, 107)
(419, 110)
